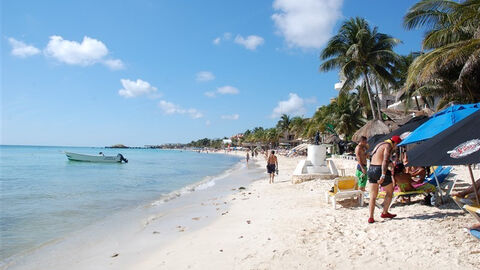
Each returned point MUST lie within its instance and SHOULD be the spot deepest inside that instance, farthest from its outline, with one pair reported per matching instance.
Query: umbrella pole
(438, 187)
(473, 183)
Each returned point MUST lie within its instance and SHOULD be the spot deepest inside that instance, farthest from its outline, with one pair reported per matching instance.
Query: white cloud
(227, 90)
(306, 23)
(171, 108)
(293, 106)
(136, 88)
(114, 64)
(217, 40)
(90, 51)
(230, 117)
(210, 94)
(227, 36)
(204, 76)
(250, 42)
(21, 49)
(224, 90)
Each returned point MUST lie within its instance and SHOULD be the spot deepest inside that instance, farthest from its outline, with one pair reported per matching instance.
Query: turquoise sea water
(44, 196)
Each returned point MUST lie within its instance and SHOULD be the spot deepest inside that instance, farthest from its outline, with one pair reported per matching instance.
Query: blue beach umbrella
(440, 121)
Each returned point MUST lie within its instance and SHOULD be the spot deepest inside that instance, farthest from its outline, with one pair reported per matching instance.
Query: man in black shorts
(272, 165)
(379, 174)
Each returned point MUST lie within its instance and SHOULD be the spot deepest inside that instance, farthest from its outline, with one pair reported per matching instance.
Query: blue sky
(95, 73)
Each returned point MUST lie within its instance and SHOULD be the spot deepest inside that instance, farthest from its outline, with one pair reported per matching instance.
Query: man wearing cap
(379, 174)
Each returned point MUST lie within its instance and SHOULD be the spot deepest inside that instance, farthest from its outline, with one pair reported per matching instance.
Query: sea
(46, 197)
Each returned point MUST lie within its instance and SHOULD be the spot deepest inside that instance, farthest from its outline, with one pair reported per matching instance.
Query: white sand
(286, 226)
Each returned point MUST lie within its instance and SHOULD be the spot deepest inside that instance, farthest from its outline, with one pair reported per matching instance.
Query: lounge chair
(442, 174)
(344, 187)
(424, 189)
(474, 210)
(467, 200)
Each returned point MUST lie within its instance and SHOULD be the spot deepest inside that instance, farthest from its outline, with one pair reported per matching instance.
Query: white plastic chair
(344, 188)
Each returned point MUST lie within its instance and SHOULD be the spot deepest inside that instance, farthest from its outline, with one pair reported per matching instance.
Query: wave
(205, 183)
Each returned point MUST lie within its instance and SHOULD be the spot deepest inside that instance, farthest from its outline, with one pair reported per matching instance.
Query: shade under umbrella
(457, 145)
(441, 121)
(370, 129)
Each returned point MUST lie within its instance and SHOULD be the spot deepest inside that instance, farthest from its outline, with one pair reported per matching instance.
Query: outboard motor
(122, 158)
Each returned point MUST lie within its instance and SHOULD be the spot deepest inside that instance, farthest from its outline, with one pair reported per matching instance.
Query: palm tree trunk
(377, 99)
(369, 92)
(418, 104)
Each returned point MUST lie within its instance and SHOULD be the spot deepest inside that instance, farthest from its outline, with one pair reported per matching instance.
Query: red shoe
(388, 215)
(371, 220)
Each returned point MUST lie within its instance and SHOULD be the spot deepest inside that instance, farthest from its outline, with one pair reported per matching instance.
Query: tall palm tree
(272, 136)
(452, 42)
(297, 126)
(359, 52)
(284, 123)
(348, 114)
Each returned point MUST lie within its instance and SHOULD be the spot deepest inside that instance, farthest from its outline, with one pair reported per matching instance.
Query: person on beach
(379, 174)
(248, 156)
(468, 192)
(361, 154)
(272, 166)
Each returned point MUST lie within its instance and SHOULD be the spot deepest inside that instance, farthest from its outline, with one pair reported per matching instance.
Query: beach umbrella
(440, 121)
(403, 131)
(457, 145)
(371, 128)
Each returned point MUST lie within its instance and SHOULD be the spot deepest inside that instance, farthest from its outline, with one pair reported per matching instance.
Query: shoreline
(286, 226)
(138, 218)
(290, 226)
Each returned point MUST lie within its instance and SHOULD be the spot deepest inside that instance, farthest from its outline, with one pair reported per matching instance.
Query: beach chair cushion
(344, 183)
(422, 189)
(442, 174)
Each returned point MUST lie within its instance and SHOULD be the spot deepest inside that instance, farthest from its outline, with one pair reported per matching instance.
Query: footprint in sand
(196, 218)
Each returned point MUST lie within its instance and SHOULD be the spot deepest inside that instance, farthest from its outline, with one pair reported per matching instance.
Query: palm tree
(452, 42)
(284, 123)
(360, 52)
(348, 114)
(272, 136)
(297, 126)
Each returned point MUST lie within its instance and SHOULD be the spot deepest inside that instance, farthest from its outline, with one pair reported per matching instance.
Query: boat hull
(93, 158)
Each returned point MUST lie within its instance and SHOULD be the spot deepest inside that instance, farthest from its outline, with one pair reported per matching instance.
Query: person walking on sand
(272, 166)
(379, 174)
(361, 154)
(247, 157)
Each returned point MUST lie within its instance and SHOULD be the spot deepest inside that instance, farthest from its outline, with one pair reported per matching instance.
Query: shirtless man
(361, 154)
(272, 166)
(378, 174)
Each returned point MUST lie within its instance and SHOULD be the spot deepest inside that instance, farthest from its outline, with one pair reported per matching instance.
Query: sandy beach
(273, 226)
(287, 226)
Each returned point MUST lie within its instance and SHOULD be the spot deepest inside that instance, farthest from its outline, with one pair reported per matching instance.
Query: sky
(139, 72)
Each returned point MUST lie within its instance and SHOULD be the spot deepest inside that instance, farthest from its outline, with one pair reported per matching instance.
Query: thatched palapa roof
(371, 128)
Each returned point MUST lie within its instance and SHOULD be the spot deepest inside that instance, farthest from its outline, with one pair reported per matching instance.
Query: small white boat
(95, 158)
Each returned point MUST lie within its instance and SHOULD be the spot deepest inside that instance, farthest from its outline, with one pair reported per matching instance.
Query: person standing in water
(361, 154)
(247, 157)
(379, 174)
(272, 166)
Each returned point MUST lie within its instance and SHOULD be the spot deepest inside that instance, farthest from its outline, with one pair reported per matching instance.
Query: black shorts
(375, 172)
(271, 168)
